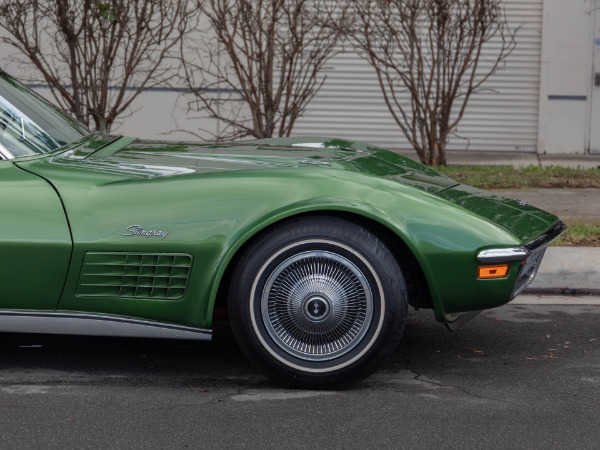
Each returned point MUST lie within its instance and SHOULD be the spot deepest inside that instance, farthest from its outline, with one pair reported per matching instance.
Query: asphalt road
(521, 376)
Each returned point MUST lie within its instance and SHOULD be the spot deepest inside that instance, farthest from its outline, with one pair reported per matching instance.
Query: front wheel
(317, 302)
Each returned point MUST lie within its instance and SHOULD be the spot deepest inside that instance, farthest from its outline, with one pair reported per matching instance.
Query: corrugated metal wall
(503, 118)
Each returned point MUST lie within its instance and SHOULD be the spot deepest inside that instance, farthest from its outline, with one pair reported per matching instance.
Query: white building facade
(546, 99)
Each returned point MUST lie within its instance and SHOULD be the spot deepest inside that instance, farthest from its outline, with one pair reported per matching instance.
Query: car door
(35, 242)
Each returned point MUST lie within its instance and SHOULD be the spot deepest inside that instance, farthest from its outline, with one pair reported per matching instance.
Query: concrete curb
(585, 300)
(567, 269)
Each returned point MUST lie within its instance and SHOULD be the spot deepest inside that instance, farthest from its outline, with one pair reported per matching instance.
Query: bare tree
(98, 56)
(429, 59)
(263, 63)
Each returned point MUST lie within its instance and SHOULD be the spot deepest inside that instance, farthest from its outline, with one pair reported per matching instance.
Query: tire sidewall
(338, 236)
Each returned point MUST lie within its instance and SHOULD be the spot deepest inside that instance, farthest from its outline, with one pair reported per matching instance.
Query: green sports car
(312, 247)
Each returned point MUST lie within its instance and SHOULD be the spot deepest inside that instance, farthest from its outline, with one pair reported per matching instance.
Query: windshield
(31, 125)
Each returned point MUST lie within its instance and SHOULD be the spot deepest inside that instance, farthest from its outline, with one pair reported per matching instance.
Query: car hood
(107, 159)
(522, 220)
(138, 159)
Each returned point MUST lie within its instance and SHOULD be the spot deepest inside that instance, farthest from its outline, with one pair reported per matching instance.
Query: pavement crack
(415, 381)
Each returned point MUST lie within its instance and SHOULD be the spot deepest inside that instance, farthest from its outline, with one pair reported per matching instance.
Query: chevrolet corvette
(314, 247)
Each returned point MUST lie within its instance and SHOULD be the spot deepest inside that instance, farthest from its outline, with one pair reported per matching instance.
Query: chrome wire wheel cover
(317, 305)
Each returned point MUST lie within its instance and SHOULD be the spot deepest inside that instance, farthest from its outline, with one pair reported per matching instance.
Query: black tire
(317, 302)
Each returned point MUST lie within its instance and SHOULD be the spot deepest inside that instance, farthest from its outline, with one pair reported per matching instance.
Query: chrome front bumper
(531, 254)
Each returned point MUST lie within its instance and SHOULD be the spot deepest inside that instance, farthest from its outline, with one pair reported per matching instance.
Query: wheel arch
(419, 295)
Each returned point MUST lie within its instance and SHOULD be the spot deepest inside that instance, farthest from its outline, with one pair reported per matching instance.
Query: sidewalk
(569, 270)
(564, 270)
(571, 205)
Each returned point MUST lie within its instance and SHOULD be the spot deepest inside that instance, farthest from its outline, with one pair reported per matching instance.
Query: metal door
(595, 109)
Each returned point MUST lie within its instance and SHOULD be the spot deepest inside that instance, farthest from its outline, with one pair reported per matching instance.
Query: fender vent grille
(135, 275)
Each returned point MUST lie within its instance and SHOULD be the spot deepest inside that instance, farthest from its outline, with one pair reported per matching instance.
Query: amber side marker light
(486, 272)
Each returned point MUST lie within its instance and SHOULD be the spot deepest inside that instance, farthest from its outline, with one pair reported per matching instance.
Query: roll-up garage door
(503, 117)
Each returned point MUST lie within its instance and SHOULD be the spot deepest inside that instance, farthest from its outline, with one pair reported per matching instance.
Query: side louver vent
(135, 275)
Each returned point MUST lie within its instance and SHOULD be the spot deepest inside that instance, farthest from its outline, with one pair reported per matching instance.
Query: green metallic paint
(526, 221)
(35, 244)
(65, 229)
(212, 199)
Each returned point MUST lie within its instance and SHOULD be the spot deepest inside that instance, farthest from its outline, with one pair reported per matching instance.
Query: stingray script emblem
(138, 230)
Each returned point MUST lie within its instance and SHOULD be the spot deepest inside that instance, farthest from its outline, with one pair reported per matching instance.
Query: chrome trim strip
(95, 325)
(501, 255)
(4, 153)
(528, 271)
